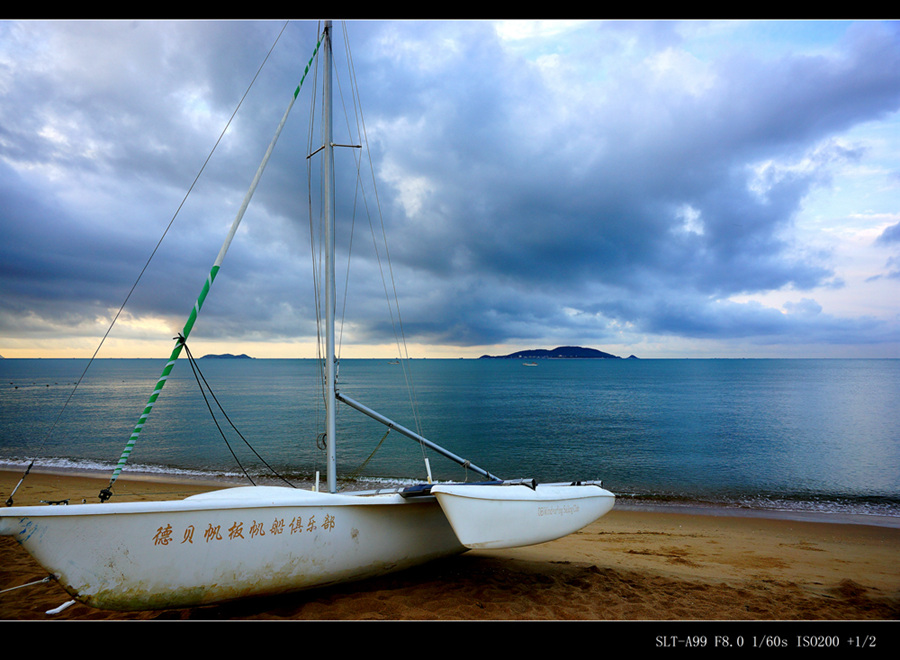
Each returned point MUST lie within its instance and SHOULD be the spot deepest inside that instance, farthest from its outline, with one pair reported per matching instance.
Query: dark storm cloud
(546, 231)
(890, 235)
(519, 206)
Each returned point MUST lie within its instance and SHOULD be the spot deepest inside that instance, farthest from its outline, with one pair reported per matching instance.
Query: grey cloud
(890, 235)
(641, 205)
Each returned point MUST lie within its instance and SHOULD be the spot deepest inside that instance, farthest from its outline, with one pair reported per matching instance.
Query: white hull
(228, 544)
(253, 541)
(508, 516)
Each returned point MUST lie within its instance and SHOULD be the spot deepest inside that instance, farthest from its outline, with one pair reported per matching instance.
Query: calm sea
(796, 436)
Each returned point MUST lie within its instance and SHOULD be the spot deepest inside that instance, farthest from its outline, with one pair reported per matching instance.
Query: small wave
(75, 465)
(870, 510)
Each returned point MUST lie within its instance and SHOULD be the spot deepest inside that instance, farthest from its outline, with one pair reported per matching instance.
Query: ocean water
(801, 436)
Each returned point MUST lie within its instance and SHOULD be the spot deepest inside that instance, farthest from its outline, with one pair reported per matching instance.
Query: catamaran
(245, 541)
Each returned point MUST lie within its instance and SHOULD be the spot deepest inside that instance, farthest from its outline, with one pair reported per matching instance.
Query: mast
(331, 394)
(106, 493)
(328, 202)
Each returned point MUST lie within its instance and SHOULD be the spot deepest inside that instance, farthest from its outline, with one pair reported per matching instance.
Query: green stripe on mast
(106, 493)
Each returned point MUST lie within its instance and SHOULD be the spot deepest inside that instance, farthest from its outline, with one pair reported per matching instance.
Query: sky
(664, 189)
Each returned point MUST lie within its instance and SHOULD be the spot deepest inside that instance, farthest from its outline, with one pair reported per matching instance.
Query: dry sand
(631, 565)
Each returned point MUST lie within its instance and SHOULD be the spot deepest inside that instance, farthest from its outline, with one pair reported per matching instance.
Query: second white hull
(499, 516)
(226, 545)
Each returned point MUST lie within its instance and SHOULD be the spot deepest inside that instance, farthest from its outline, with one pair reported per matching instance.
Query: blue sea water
(816, 436)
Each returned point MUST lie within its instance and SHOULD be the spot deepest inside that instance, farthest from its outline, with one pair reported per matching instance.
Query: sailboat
(244, 541)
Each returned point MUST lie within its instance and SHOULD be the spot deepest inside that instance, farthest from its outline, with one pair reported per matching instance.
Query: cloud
(630, 181)
(741, 153)
(890, 235)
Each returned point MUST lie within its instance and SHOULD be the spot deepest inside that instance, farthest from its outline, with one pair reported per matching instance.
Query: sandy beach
(631, 565)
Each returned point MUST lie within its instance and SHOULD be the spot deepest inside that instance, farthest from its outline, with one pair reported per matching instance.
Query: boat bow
(513, 514)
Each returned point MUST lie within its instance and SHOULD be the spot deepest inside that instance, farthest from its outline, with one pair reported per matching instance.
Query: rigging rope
(106, 493)
(9, 501)
(362, 465)
(391, 296)
(198, 376)
(315, 260)
(360, 201)
(49, 578)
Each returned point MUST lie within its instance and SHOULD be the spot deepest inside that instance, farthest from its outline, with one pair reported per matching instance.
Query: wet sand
(631, 565)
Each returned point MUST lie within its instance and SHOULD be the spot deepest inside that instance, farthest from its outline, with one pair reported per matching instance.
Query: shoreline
(797, 515)
(631, 565)
(623, 503)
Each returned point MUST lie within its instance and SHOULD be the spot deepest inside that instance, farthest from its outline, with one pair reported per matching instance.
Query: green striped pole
(106, 493)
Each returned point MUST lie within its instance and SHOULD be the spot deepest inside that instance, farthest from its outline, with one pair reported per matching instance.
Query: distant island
(556, 353)
(227, 356)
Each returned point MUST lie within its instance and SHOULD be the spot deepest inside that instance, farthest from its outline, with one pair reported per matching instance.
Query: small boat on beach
(238, 542)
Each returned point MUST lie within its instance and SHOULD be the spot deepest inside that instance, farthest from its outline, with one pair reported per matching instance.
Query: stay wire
(198, 375)
(397, 325)
(9, 501)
